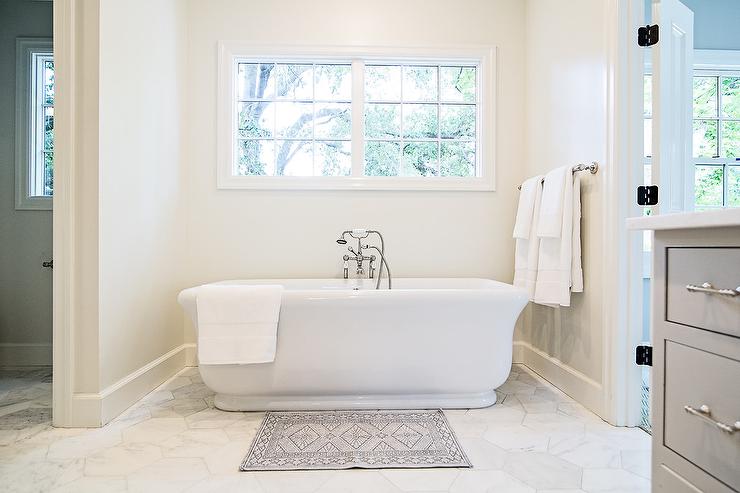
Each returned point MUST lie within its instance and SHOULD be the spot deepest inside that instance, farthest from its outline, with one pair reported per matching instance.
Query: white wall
(252, 234)
(141, 220)
(25, 236)
(566, 123)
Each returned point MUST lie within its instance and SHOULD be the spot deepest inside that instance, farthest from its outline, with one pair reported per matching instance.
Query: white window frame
(484, 58)
(28, 51)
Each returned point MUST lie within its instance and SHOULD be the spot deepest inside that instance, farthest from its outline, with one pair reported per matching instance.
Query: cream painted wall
(25, 236)
(252, 234)
(141, 190)
(566, 123)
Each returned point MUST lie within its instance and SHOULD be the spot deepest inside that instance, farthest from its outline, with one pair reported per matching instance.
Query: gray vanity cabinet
(696, 377)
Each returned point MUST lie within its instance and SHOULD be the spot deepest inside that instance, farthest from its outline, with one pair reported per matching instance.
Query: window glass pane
(295, 82)
(294, 158)
(49, 82)
(705, 97)
(419, 159)
(294, 120)
(648, 136)
(420, 83)
(382, 158)
(333, 121)
(49, 128)
(333, 82)
(420, 121)
(457, 121)
(256, 119)
(733, 186)
(256, 81)
(708, 186)
(457, 84)
(705, 138)
(255, 157)
(647, 108)
(382, 83)
(382, 121)
(730, 139)
(334, 158)
(731, 97)
(457, 158)
(48, 173)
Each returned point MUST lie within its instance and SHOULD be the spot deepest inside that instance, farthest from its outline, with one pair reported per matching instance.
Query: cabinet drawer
(695, 266)
(667, 481)
(695, 378)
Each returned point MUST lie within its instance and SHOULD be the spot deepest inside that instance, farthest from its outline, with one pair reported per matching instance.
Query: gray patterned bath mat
(348, 439)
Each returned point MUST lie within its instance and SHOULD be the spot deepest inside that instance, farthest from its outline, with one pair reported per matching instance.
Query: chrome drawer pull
(709, 289)
(704, 413)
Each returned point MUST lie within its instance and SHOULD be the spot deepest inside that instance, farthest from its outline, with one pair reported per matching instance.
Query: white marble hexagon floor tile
(535, 440)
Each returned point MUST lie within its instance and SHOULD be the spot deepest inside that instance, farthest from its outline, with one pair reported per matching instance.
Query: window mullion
(358, 120)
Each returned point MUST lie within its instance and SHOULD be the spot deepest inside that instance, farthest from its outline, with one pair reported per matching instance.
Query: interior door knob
(48, 263)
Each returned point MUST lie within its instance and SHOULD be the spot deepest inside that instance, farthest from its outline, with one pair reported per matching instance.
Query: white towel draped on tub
(237, 324)
(555, 269)
(527, 242)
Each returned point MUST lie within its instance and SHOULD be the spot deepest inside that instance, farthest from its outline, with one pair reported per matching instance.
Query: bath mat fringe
(310, 440)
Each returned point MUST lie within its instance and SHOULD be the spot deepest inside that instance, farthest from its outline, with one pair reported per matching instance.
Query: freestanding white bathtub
(426, 343)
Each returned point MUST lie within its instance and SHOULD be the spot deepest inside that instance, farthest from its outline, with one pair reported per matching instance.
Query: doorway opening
(27, 185)
(712, 159)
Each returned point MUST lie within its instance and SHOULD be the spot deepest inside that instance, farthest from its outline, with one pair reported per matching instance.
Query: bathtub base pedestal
(335, 402)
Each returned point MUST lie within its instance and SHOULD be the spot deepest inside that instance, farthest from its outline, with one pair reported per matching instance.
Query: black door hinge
(648, 35)
(647, 195)
(644, 355)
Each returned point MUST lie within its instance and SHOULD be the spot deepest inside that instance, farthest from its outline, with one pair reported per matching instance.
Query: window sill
(360, 183)
(34, 204)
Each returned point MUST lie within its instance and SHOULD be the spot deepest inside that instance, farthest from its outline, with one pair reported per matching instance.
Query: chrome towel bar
(593, 168)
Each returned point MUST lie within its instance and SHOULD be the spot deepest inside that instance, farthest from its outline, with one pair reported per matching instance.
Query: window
(420, 120)
(293, 119)
(34, 124)
(716, 140)
(369, 120)
(716, 132)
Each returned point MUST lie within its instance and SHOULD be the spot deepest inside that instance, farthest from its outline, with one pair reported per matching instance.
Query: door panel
(672, 106)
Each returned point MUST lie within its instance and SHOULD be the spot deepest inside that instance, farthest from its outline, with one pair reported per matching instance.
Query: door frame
(75, 384)
(622, 256)
(63, 237)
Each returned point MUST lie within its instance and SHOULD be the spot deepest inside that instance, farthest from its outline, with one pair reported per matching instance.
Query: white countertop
(687, 220)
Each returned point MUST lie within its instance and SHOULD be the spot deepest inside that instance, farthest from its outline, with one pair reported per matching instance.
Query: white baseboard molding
(580, 387)
(97, 409)
(25, 354)
(191, 354)
(517, 356)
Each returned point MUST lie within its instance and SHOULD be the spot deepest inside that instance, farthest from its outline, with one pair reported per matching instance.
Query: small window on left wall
(34, 123)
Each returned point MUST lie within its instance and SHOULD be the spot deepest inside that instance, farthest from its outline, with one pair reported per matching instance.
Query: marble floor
(535, 440)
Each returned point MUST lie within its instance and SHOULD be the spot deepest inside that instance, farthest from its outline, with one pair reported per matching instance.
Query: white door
(672, 69)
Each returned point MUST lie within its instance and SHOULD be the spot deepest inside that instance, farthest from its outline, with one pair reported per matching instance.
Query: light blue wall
(716, 23)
